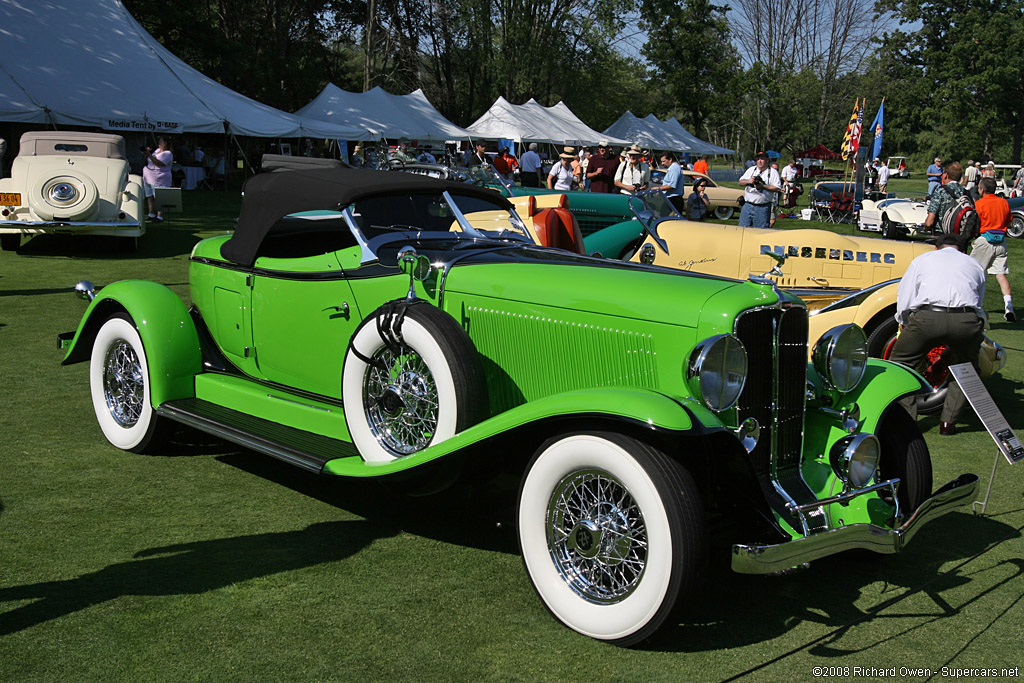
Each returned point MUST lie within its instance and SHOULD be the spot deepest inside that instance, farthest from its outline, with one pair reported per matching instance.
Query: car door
(303, 315)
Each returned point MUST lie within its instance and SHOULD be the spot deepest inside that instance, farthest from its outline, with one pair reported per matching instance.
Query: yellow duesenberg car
(842, 279)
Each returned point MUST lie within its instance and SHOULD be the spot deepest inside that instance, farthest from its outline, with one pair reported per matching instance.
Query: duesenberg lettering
(687, 265)
(830, 254)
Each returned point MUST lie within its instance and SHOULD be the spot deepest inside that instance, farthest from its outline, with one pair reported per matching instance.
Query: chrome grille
(776, 343)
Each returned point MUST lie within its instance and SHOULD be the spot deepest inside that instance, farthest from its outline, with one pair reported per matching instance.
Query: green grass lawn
(217, 564)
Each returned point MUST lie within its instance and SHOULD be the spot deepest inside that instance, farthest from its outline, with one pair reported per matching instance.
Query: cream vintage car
(71, 183)
(842, 279)
(894, 218)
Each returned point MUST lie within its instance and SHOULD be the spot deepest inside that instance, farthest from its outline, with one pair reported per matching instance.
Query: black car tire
(889, 229)
(414, 399)
(904, 456)
(120, 387)
(724, 213)
(1016, 228)
(612, 534)
(10, 242)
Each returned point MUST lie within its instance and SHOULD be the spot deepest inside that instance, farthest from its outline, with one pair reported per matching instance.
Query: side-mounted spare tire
(412, 378)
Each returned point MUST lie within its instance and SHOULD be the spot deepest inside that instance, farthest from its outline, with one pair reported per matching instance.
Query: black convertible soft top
(271, 196)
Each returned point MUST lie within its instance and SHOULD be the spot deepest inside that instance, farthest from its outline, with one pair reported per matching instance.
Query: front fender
(638, 406)
(884, 382)
(165, 326)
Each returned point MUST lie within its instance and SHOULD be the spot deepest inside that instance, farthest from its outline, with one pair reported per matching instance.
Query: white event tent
(89, 63)
(383, 115)
(654, 133)
(533, 122)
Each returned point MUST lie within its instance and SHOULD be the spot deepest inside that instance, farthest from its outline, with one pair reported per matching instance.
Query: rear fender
(166, 329)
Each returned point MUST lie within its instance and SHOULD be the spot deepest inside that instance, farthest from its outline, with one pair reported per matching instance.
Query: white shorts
(147, 189)
(991, 256)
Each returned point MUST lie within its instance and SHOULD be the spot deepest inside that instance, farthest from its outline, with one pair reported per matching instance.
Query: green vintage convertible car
(370, 324)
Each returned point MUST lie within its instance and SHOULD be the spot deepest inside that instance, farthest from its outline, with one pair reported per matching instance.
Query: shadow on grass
(160, 241)
(189, 568)
(472, 513)
(736, 610)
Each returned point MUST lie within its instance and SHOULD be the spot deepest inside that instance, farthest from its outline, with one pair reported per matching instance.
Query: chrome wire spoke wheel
(597, 536)
(401, 401)
(123, 384)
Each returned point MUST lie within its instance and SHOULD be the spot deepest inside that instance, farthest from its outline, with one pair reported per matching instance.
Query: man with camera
(760, 185)
(632, 175)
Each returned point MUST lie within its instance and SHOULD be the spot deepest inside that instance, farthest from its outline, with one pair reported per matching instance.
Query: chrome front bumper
(116, 228)
(768, 559)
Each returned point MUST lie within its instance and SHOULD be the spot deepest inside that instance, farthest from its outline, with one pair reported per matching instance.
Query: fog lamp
(854, 459)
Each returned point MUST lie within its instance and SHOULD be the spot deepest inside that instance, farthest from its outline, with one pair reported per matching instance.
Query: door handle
(343, 308)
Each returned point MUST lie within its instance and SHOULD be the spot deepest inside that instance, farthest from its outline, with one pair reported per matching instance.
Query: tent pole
(244, 157)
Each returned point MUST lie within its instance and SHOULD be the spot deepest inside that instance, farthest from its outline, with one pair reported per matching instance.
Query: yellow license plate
(10, 199)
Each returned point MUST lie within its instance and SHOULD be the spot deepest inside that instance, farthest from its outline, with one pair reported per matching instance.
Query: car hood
(554, 278)
(815, 258)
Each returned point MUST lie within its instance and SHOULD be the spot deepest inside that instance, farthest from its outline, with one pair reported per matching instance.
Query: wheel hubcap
(123, 384)
(596, 535)
(401, 401)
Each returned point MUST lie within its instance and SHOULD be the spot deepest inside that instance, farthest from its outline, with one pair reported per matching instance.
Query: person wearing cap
(934, 174)
(562, 177)
(698, 204)
(530, 167)
(760, 184)
(479, 157)
(602, 168)
(632, 175)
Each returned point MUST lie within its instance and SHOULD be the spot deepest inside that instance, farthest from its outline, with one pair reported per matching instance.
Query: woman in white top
(562, 176)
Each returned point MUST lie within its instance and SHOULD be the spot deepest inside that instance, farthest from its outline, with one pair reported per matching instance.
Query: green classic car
(370, 324)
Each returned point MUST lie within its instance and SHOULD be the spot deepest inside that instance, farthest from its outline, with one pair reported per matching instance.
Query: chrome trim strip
(768, 559)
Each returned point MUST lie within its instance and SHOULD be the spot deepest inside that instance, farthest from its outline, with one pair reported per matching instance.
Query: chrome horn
(85, 290)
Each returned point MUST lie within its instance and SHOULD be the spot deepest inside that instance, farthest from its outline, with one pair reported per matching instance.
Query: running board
(295, 446)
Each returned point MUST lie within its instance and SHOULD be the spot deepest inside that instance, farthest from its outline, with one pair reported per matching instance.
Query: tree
(970, 89)
(693, 61)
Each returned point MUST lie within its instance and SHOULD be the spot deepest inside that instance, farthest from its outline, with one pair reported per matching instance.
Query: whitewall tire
(420, 396)
(119, 383)
(612, 532)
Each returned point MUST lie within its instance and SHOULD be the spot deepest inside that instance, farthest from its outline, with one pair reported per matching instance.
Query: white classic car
(894, 218)
(70, 183)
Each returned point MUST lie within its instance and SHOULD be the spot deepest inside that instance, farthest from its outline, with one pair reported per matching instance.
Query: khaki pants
(962, 332)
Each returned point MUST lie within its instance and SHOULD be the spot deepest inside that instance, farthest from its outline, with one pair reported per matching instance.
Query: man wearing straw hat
(632, 176)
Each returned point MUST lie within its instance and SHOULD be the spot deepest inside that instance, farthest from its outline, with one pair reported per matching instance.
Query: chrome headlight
(717, 371)
(854, 459)
(841, 357)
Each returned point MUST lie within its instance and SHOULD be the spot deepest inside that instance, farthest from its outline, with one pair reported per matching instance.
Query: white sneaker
(1010, 316)
(150, 216)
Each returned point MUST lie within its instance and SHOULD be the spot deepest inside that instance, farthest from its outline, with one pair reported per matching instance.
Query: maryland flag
(851, 141)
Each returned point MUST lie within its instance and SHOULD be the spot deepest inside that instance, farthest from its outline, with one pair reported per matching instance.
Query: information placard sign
(986, 409)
